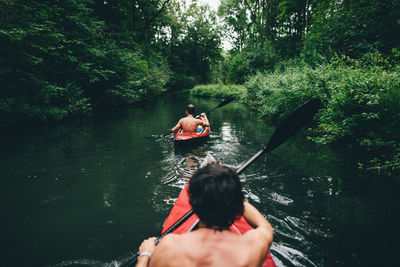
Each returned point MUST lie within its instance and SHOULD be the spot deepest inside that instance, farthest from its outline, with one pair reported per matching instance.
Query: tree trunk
(307, 18)
(133, 17)
(346, 5)
(267, 7)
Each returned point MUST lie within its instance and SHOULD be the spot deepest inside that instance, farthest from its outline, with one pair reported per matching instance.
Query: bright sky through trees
(213, 3)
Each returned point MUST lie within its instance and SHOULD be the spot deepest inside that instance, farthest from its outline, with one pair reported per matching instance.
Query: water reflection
(177, 167)
(265, 187)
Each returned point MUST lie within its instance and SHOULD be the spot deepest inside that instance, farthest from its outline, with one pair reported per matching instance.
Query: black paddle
(284, 131)
(223, 103)
(287, 128)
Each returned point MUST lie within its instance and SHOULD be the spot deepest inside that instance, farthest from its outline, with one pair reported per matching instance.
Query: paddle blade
(293, 123)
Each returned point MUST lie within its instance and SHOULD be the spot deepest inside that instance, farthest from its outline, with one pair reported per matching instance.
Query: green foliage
(323, 27)
(252, 23)
(344, 52)
(64, 58)
(349, 57)
(249, 62)
(235, 18)
(144, 78)
(238, 69)
(192, 55)
(356, 29)
(361, 100)
(219, 91)
(276, 94)
(58, 60)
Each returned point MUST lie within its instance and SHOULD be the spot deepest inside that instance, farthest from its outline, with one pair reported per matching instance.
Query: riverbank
(361, 103)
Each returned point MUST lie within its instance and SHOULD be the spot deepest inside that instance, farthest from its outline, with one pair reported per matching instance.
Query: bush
(278, 93)
(219, 91)
(361, 101)
(248, 62)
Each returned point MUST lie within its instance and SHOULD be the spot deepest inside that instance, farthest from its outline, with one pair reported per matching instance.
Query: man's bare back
(190, 124)
(207, 247)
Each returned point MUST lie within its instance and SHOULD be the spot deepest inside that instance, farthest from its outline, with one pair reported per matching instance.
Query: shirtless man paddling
(216, 197)
(190, 123)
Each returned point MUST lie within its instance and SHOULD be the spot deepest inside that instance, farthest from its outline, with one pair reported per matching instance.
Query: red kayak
(187, 137)
(182, 206)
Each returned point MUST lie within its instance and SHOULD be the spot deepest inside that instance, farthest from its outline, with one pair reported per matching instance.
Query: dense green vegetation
(266, 32)
(63, 58)
(361, 104)
(72, 57)
(220, 91)
(344, 52)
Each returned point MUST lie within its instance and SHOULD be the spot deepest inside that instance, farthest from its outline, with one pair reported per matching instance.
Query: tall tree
(267, 6)
(202, 42)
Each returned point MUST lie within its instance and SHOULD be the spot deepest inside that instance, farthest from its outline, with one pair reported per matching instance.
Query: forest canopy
(70, 57)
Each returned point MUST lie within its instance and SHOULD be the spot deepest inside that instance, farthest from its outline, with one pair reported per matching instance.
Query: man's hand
(205, 121)
(148, 245)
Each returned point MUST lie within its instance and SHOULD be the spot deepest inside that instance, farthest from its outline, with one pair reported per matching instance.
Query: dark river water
(87, 192)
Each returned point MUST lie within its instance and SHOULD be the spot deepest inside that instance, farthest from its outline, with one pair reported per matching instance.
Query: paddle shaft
(223, 103)
(253, 158)
(287, 129)
(191, 212)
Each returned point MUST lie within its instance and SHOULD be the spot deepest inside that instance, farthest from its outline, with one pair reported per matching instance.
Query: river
(85, 192)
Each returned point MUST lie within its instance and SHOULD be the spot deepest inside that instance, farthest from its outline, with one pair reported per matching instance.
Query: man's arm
(177, 126)
(259, 223)
(165, 252)
(205, 121)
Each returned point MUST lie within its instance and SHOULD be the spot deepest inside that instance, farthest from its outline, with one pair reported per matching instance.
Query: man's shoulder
(170, 241)
(184, 119)
(254, 234)
(258, 237)
(163, 252)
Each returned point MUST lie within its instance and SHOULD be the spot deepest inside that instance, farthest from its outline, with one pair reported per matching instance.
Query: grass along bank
(220, 91)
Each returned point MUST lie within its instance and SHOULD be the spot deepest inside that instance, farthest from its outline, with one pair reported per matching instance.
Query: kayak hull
(181, 137)
(182, 206)
(201, 134)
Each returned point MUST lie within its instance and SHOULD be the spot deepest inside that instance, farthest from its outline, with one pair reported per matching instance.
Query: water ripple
(274, 196)
(289, 256)
(51, 199)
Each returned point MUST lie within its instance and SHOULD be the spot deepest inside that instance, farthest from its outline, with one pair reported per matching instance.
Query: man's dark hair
(191, 109)
(216, 195)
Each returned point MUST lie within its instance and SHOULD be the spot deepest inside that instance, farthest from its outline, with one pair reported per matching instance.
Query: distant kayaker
(190, 123)
(216, 197)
